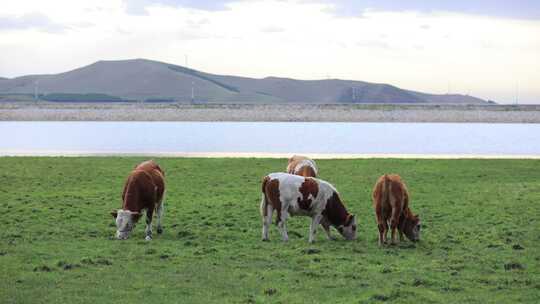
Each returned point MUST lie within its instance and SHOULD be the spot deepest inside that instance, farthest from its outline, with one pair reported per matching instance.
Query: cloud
(139, 7)
(516, 9)
(272, 29)
(197, 23)
(373, 44)
(31, 21)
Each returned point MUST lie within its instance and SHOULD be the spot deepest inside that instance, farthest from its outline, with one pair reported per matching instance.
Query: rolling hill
(147, 80)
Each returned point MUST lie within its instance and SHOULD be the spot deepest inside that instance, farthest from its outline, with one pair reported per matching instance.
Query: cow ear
(350, 218)
(160, 170)
(135, 216)
(114, 213)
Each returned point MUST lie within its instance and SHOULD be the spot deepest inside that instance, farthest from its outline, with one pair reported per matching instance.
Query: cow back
(390, 192)
(148, 166)
(144, 187)
(303, 166)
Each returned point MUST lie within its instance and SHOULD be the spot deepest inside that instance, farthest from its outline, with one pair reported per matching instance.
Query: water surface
(268, 137)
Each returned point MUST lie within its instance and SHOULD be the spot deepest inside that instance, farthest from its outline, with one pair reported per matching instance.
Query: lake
(72, 138)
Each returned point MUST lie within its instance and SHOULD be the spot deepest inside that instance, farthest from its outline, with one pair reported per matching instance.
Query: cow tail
(263, 205)
(385, 189)
(264, 200)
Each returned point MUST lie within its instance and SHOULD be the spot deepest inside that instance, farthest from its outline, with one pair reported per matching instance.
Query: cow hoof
(265, 240)
(160, 230)
(148, 238)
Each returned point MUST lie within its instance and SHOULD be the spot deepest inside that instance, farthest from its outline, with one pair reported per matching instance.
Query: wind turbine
(517, 91)
(193, 92)
(36, 83)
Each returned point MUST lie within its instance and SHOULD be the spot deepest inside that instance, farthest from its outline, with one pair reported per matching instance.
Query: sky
(488, 49)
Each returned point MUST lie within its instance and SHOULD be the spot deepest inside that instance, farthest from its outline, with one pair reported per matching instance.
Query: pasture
(480, 241)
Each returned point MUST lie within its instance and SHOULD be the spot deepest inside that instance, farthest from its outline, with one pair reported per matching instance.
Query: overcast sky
(489, 49)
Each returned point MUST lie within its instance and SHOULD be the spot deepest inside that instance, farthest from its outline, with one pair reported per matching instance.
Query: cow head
(411, 228)
(348, 230)
(125, 222)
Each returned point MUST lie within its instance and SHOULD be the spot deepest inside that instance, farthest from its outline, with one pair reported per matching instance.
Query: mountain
(141, 79)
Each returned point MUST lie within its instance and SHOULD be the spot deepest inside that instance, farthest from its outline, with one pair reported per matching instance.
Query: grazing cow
(297, 195)
(303, 166)
(144, 189)
(391, 203)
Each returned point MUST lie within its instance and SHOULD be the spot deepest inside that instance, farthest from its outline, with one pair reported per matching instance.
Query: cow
(391, 204)
(303, 166)
(143, 190)
(290, 194)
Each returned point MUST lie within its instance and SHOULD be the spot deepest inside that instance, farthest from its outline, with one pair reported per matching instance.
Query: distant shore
(53, 153)
(50, 111)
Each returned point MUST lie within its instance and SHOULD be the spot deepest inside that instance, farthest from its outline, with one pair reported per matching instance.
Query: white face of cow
(348, 231)
(125, 223)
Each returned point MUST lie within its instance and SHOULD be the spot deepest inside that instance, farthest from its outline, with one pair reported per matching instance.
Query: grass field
(481, 234)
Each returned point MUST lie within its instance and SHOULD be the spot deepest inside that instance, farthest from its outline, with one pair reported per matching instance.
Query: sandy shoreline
(11, 111)
(52, 153)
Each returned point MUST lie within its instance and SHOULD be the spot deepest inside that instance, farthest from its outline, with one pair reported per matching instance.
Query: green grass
(480, 238)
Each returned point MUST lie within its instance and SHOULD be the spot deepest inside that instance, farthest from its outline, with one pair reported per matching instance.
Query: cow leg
(326, 226)
(266, 214)
(160, 210)
(315, 220)
(148, 230)
(383, 230)
(267, 221)
(381, 224)
(381, 234)
(282, 225)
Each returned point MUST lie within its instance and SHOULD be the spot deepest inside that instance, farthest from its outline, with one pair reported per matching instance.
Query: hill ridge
(150, 80)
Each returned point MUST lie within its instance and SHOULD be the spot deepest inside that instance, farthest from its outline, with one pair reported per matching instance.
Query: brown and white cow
(391, 203)
(143, 190)
(303, 166)
(290, 194)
